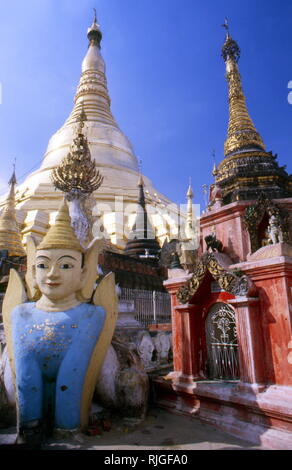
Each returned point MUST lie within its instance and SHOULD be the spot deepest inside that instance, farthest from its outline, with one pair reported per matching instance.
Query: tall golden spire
(92, 92)
(247, 169)
(10, 238)
(242, 133)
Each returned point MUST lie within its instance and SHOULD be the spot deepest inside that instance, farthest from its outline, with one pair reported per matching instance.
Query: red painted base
(262, 415)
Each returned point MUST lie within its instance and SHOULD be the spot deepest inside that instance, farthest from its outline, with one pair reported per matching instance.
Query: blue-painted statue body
(57, 345)
(52, 351)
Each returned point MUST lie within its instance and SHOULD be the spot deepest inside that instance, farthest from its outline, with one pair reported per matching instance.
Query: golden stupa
(112, 154)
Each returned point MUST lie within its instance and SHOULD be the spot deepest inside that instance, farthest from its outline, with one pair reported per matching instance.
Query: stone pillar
(250, 339)
(185, 333)
(172, 285)
(189, 348)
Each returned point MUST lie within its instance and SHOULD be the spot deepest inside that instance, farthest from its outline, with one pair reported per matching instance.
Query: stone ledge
(271, 251)
(261, 417)
(273, 401)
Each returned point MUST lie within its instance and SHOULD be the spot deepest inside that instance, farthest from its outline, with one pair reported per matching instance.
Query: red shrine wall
(229, 229)
(258, 407)
(274, 285)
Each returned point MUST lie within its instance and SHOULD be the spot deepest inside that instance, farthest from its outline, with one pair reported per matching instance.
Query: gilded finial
(94, 32)
(190, 193)
(226, 26)
(13, 181)
(215, 170)
(230, 49)
(95, 17)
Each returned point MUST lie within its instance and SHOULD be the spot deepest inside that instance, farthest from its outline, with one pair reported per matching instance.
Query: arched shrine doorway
(222, 346)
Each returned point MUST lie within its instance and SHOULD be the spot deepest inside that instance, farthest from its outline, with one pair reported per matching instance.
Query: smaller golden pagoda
(10, 237)
(247, 169)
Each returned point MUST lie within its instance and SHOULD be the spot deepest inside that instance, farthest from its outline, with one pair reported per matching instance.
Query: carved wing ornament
(235, 283)
(185, 293)
(105, 295)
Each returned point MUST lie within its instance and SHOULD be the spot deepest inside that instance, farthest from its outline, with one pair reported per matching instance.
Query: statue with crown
(58, 324)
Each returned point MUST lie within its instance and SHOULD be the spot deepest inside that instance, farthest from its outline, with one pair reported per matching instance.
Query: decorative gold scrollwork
(235, 283)
(185, 293)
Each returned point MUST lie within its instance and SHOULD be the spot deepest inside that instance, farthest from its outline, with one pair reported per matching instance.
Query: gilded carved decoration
(233, 282)
(78, 177)
(186, 292)
(77, 171)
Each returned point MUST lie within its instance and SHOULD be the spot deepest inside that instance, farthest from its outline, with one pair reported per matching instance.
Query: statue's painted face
(59, 273)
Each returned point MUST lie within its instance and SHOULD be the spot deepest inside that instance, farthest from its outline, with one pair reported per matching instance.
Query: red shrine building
(232, 315)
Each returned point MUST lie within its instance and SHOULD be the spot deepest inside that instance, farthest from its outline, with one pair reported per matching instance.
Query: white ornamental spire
(92, 93)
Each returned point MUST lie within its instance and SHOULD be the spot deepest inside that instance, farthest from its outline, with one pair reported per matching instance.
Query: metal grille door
(222, 343)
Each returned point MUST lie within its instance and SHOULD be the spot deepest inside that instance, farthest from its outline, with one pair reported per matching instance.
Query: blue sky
(165, 73)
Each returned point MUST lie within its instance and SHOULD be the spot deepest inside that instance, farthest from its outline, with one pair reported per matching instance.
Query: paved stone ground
(161, 430)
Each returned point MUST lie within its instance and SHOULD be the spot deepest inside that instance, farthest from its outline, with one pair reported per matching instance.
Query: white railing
(151, 307)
